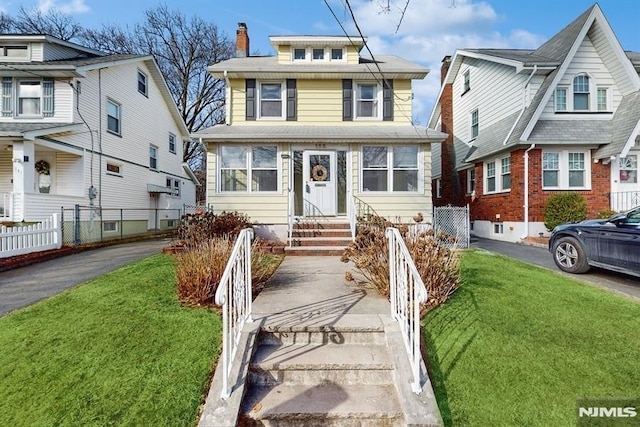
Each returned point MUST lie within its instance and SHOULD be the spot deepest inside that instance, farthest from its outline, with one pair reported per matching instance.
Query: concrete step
(317, 364)
(320, 241)
(314, 250)
(330, 335)
(321, 225)
(326, 404)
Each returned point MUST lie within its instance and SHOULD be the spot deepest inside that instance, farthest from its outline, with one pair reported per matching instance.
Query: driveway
(24, 286)
(621, 283)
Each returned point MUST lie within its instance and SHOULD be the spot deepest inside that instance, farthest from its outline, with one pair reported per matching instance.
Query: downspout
(227, 99)
(526, 192)
(526, 158)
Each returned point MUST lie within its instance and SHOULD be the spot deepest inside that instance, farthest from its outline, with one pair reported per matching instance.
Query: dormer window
(15, 52)
(581, 93)
(336, 54)
(318, 54)
(299, 54)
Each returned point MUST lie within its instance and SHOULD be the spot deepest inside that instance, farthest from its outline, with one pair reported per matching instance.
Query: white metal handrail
(407, 293)
(353, 218)
(234, 295)
(292, 199)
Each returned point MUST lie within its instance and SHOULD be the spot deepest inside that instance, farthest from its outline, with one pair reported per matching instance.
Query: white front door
(319, 179)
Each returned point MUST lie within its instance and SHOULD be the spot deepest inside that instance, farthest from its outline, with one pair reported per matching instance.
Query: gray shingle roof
(558, 46)
(18, 129)
(527, 56)
(269, 64)
(329, 134)
(84, 61)
(624, 122)
(571, 131)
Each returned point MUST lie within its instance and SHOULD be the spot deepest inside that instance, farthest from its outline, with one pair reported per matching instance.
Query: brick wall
(510, 205)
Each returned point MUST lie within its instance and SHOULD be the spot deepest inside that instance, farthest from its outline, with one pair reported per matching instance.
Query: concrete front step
(314, 250)
(321, 225)
(329, 337)
(326, 404)
(316, 364)
(329, 232)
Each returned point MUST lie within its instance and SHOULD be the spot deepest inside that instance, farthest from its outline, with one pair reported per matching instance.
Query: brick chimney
(242, 41)
(444, 68)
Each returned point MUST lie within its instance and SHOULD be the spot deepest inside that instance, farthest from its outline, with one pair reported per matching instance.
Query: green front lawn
(119, 350)
(517, 345)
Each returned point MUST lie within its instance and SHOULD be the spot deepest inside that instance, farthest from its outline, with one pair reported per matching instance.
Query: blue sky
(430, 30)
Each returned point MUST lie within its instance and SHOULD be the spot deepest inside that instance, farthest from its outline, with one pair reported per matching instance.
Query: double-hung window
(142, 83)
(498, 175)
(471, 180)
(475, 122)
(581, 93)
(395, 167)
(561, 99)
(603, 105)
(172, 143)
(467, 82)
(29, 97)
(271, 99)
(113, 117)
(248, 169)
(491, 177)
(174, 184)
(505, 173)
(565, 170)
(153, 157)
(367, 100)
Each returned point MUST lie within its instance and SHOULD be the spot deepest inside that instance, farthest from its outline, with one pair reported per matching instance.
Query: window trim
(283, 100)
(588, 92)
(18, 98)
(607, 106)
(249, 168)
(118, 119)
(318, 49)
(115, 165)
(144, 92)
(172, 140)
(498, 174)
(563, 169)
(466, 81)
(377, 101)
(16, 46)
(293, 54)
(471, 180)
(475, 127)
(152, 158)
(115, 228)
(174, 184)
(389, 168)
(343, 55)
(566, 99)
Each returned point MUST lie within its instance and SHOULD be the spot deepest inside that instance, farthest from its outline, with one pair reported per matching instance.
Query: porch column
(23, 167)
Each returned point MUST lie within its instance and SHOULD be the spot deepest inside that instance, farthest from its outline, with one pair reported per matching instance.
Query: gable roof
(625, 126)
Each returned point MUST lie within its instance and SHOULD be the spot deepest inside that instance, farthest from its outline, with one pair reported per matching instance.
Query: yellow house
(317, 131)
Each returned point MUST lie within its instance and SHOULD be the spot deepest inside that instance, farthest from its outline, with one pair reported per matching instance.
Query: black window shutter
(292, 100)
(251, 99)
(347, 100)
(387, 100)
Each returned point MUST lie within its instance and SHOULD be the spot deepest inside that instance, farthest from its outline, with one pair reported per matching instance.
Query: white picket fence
(31, 238)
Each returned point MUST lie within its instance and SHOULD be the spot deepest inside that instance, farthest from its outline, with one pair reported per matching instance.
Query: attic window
(336, 54)
(15, 51)
(581, 93)
(299, 54)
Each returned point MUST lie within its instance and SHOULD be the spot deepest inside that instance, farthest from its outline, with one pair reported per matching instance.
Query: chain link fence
(453, 222)
(82, 225)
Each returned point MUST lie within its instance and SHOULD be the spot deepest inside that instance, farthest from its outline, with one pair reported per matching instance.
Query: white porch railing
(42, 236)
(234, 295)
(624, 200)
(292, 210)
(407, 293)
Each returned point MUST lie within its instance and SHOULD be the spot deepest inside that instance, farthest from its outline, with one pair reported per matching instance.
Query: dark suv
(612, 243)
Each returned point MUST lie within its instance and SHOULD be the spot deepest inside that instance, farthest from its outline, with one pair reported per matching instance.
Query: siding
(52, 52)
(6, 171)
(496, 91)
(320, 102)
(609, 58)
(284, 54)
(69, 174)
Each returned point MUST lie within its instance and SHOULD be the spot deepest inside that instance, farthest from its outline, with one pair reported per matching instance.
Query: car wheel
(569, 255)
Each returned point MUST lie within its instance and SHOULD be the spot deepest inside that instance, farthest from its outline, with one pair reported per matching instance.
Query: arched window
(581, 92)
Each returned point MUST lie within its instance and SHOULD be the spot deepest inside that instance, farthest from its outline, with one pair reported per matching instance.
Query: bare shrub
(199, 270)
(198, 228)
(438, 266)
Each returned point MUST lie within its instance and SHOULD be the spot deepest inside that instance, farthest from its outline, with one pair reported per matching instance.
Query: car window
(633, 217)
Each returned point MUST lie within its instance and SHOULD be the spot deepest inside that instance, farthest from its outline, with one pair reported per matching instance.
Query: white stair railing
(407, 293)
(292, 210)
(234, 295)
(353, 217)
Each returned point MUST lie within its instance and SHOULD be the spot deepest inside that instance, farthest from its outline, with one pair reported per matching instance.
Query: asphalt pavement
(26, 285)
(540, 256)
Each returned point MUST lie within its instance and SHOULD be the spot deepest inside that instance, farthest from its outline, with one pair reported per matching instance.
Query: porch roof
(32, 130)
(326, 134)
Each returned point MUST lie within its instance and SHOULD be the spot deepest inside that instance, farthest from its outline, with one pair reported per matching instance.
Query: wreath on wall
(319, 173)
(43, 167)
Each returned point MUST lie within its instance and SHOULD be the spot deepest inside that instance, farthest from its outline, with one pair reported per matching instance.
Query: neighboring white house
(527, 124)
(314, 127)
(80, 127)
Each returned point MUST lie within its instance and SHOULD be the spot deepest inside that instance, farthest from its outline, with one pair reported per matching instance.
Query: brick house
(526, 124)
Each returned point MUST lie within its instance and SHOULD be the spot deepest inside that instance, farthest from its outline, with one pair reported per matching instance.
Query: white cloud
(70, 7)
(430, 30)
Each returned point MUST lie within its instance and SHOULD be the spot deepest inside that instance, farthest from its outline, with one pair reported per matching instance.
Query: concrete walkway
(320, 320)
(26, 285)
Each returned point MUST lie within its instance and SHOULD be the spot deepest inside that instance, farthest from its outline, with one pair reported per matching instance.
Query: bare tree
(54, 23)
(183, 49)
